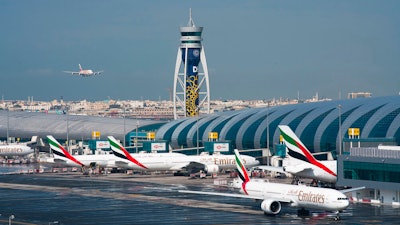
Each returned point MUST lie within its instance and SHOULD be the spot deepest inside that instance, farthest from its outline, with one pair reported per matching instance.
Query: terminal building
(322, 127)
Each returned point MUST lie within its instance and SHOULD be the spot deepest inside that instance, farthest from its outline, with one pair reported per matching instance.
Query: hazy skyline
(254, 49)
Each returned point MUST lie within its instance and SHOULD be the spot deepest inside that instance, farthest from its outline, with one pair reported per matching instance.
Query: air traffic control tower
(191, 84)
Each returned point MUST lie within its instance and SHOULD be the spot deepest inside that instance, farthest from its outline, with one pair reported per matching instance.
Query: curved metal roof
(316, 124)
(24, 125)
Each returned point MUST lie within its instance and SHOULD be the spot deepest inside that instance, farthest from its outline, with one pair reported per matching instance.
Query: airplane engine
(211, 168)
(271, 207)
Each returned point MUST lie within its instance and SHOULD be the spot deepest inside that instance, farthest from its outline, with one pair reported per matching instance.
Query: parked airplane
(84, 73)
(301, 163)
(176, 161)
(18, 149)
(63, 157)
(274, 195)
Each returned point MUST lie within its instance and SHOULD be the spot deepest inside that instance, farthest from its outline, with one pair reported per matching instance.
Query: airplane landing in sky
(84, 73)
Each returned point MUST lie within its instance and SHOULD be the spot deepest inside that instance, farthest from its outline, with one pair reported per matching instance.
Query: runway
(123, 199)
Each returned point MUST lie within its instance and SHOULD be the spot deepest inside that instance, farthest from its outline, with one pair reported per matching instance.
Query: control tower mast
(191, 84)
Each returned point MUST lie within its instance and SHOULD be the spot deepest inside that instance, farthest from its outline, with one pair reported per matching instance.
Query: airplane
(17, 149)
(276, 195)
(63, 157)
(301, 163)
(175, 161)
(84, 73)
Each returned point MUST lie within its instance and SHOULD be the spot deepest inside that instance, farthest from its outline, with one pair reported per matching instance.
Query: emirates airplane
(62, 157)
(176, 161)
(84, 73)
(301, 163)
(276, 195)
(18, 149)
(141, 161)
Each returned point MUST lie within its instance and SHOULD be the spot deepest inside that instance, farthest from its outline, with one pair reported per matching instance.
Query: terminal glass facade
(383, 172)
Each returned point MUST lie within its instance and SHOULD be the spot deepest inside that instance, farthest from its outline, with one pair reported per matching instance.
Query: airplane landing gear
(337, 217)
(303, 212)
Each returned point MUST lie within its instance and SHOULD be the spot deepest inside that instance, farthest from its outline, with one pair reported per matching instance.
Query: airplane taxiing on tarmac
(300, 162)
(176, 161)
(276, 195)
(84, 73)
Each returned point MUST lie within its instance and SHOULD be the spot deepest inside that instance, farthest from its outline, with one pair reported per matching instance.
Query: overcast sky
(254, 49)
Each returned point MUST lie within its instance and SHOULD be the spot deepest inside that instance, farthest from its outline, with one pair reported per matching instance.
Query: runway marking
(139, 197)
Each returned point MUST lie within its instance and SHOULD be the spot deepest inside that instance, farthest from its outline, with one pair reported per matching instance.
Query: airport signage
(158, 146)
(354, 132)
(102, 144)
(221, 147)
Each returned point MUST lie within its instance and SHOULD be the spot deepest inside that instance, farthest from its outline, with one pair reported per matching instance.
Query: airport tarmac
(72, 198)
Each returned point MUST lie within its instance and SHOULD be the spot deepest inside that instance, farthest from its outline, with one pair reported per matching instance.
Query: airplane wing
(192, 167)
(222, 194)
(56, 160)
(270, 168)
(120, 163)
(233, 195)
(351, 189)
(297, 169)
(72, 72)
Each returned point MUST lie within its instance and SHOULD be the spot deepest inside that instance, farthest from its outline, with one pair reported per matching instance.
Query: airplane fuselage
(328, 173)
(104, 161)
(177, 161)
(15, 150)
(86, 72)
(224, 161)
(154, 161)
(299, 196)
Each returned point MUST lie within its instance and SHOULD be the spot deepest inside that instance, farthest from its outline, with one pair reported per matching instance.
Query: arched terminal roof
(24, 125)
(316, 124)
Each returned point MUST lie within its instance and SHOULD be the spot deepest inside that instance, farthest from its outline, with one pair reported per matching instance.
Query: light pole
(268, 134)
(124, 127)
(197, 128)
(340, 129)
(66, 114)
(8, 124)
(137, 140)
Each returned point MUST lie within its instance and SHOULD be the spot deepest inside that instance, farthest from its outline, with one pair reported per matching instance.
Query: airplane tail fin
(121, 152)
(80, 67)
(244, 176)
(59, 151)
(295, 148)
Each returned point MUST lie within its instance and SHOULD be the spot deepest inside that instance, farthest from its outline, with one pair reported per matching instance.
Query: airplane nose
(345, 204)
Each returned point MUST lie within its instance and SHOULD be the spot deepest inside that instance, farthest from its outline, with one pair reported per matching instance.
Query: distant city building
(359, 95)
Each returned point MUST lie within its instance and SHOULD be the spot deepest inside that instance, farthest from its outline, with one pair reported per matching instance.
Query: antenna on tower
(191, 22)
